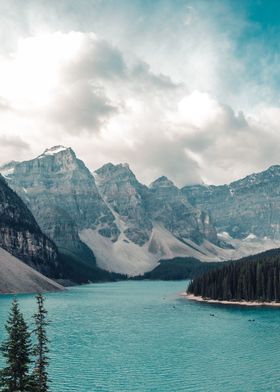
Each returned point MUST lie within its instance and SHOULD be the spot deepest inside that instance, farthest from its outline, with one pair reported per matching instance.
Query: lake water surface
(142, 336)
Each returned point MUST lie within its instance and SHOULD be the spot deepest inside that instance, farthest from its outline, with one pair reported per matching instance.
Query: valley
(107, 222)
(78, 227)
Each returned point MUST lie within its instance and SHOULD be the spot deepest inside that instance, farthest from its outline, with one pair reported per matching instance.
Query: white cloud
(198, 109)
(78, 89)
(12, 146)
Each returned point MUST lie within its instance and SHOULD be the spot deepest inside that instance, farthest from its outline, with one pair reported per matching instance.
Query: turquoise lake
(142, 336)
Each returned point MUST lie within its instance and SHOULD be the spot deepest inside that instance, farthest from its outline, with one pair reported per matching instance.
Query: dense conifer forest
(252, 279)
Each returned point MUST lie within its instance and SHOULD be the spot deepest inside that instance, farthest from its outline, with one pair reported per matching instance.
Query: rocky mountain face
(168, 205)
(21, 236)
(127, 199)
(24, 249)
(246, 208)
(109, 214)
(61, 193)
(139, 206)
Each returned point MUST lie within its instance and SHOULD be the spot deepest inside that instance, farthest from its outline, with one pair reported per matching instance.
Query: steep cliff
(169, 206)
(21, 236)
(61, 193)
(249, 207)
(127, 198)
(24, 250)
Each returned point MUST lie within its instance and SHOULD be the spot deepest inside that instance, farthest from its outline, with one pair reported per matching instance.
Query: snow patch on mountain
(8, 169)
(53, 150)
(250, 236)
(224, 235)
(248, 246)
(7, 172)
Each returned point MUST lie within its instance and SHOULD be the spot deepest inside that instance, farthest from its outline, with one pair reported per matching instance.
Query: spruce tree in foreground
(17, 351)
(40, 374)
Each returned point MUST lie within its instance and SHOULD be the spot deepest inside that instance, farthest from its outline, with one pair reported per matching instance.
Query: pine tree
(17, 351)
(41, 350)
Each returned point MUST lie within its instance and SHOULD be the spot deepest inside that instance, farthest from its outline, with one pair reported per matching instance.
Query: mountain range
(108, 221)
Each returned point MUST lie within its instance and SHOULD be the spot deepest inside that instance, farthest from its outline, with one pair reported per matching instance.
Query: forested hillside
(253, 279)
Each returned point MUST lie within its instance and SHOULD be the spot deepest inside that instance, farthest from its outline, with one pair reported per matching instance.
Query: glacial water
(142, 336)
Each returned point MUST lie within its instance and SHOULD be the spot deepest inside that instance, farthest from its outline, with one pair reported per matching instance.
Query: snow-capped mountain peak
(54, 150)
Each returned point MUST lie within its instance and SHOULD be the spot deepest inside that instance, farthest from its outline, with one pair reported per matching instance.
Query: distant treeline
(178, 268)
(252, 279)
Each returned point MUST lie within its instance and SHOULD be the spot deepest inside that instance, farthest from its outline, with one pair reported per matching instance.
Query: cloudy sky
(185, 88)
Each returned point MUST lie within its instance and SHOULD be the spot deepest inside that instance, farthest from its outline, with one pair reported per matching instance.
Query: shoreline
(192, 297)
